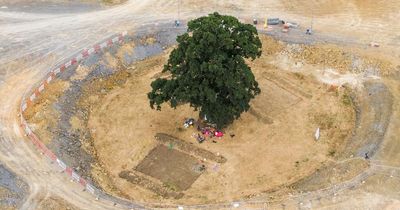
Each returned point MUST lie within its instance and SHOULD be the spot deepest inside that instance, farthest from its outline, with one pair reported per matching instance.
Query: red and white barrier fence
(28, 102)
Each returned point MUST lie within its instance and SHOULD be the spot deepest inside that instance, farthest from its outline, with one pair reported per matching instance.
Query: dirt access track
(31, 43)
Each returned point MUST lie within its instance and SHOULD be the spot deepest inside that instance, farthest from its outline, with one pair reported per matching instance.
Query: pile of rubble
(335, 57)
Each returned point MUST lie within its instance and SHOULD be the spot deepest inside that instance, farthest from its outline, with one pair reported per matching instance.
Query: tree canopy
(208, 69)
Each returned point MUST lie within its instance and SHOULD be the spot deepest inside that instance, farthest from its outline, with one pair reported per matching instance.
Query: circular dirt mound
(269, 146)
(98, 119)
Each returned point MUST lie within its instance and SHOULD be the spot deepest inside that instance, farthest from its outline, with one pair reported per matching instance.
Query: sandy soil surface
(29, 46)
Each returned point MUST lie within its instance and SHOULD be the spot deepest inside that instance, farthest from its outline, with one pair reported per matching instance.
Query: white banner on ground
(317, 134)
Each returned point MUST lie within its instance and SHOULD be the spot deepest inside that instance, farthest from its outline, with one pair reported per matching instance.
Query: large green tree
(208, 69)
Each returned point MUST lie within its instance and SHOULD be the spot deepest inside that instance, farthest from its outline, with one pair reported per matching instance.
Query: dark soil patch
(174, 168)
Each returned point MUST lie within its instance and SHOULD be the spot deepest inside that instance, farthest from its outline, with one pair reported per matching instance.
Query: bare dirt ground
(30, 43)
(262, 136)
(113, 110)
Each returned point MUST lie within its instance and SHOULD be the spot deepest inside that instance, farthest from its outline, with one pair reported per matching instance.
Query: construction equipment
(266, 23)
(255, 21)
(177, 23)
(273, 21)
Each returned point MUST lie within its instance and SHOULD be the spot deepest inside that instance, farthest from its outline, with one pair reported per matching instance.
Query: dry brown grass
(125, 128)
(340, 59)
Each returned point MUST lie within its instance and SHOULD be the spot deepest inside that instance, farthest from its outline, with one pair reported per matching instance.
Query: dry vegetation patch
(339, 58)
(42, 116)
(272, 145)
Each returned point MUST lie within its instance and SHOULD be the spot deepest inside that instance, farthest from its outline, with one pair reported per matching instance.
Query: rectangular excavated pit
(172, 167)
